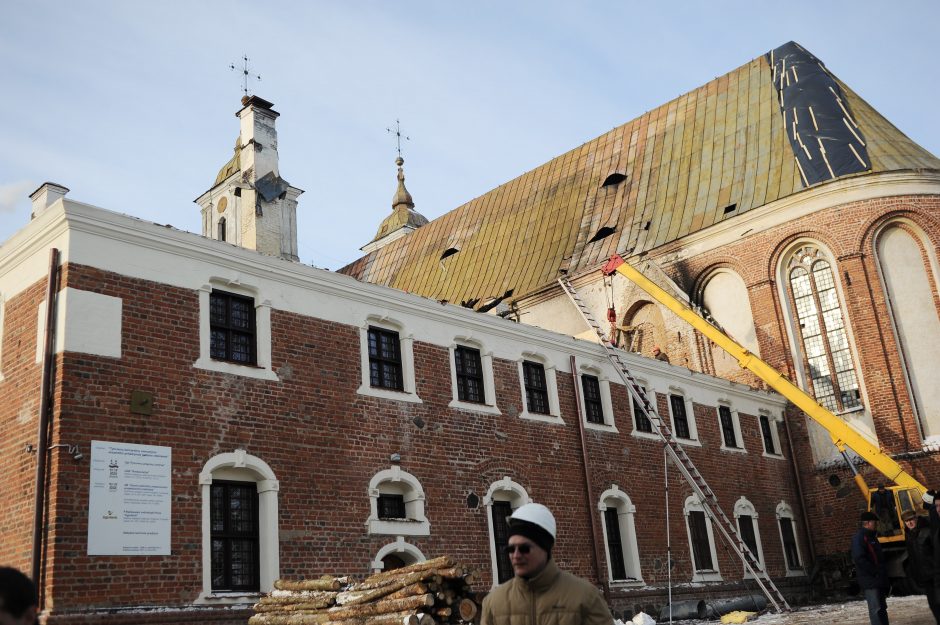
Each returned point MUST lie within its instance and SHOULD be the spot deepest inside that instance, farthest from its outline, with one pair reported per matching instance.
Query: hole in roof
(730, 208)
(614, 178)
(646, 226)
(450, 251)
(603, 233)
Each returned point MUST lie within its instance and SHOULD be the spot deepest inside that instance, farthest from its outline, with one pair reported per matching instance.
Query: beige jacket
(553, 597)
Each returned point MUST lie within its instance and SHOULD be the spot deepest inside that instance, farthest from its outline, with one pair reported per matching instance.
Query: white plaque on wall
(129, 500)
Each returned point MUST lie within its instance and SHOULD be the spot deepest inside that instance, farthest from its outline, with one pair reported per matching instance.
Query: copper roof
(708, 155)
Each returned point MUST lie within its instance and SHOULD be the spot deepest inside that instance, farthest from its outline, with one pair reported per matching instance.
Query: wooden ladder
(703, 492)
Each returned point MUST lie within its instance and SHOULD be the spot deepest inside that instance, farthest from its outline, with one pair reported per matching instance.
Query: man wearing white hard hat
(540, 592)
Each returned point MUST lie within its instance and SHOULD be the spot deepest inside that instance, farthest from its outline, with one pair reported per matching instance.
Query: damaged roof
(765, 131)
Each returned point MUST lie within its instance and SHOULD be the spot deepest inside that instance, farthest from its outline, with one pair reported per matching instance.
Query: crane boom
(843, 434)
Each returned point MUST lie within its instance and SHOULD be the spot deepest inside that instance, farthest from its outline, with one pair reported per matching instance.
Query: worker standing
(920, 556)
(870, 569)
(540, 592)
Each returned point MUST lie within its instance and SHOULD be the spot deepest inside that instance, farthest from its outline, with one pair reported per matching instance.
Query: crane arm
(843, 435)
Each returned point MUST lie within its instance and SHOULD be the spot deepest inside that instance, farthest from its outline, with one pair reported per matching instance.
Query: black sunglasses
(524, 548)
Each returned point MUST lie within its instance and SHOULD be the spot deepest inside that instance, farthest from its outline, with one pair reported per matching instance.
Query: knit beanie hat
(518, 527)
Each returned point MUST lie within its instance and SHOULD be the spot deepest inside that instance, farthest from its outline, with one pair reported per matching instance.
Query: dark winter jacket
(869, 560)
(920, 554)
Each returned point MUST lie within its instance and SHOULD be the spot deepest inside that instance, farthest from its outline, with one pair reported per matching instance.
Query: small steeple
(404, 217)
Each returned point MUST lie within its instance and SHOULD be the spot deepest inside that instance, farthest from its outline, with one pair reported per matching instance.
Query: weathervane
(398, 135)
(246, 73)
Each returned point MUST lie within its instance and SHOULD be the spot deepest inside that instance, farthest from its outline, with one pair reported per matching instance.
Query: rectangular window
(469, 369)
(789, 544)
(536, 391)
(391, 506)
(618, 569)
(746, 527)
(385, 368)
(701, 546)
(643, 424)
(765, 426)
(232, 328)
(727, 426)
(234, 535)
(680, 421)
(593, 407)
(500, 511)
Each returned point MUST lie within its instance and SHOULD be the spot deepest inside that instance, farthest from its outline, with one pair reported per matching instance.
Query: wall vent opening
(603, 233)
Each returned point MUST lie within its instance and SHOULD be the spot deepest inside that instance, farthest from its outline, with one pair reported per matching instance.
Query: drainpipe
(45, 412)
(587, 479)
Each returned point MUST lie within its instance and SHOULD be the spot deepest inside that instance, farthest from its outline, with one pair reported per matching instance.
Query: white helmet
(537, 514)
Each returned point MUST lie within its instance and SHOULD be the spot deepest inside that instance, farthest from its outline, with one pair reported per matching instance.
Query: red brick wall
(325, 442)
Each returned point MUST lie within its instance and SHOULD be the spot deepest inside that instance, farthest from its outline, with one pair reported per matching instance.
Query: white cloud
(14, 193)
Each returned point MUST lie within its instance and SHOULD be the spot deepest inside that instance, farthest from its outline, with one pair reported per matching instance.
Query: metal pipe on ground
(749, 603)
(682, 610)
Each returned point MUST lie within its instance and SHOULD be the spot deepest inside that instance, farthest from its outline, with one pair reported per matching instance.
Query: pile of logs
(427, 593)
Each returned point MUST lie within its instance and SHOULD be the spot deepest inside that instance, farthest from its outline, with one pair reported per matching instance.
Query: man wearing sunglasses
(540, 592)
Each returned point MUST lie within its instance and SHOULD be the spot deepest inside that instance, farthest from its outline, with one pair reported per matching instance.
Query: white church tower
(249, 204)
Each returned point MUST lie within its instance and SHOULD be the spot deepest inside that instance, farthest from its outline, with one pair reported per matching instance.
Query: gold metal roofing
(704, 157)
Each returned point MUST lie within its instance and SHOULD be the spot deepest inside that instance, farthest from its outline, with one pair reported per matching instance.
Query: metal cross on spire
(246, 73)
(398, 135)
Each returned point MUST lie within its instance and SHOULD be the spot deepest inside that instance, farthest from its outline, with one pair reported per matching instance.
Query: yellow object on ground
(737, 617)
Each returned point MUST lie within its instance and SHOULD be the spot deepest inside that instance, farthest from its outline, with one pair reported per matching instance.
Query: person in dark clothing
(920, 558)
(18, 599)
(870, 569)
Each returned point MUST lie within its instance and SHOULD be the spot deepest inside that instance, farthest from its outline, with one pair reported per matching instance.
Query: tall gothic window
(826, 351)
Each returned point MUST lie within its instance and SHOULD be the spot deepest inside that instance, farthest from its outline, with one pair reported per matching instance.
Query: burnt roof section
(684, 163)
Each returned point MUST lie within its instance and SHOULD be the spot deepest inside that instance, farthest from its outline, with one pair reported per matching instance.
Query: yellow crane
(888, 502)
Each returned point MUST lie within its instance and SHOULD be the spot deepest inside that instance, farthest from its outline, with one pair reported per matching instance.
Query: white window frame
(262, 370)
(772, 421)
(551, 388)
(692, 504)
(736, 424)
(607, 408)
(241, 466)
(743, 507)
(502, 490)
(399, 546)
(693, 439)
(489, 383)
(406, 346)
(626, 511)
(403, 483)
(784, 511)
(651, 397)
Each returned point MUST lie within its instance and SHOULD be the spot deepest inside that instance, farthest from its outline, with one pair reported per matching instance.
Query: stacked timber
(427, 593)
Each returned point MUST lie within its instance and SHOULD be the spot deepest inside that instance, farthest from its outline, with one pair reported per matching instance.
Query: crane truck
(888, 502)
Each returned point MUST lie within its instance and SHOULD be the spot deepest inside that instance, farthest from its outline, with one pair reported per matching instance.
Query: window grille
(232, 328)
(593, 406)
(469, 370)
(234, 536)
(536, 390)
(385, 366)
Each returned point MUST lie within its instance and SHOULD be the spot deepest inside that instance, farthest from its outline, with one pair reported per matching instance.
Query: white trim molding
(406, 348)
(397, 482)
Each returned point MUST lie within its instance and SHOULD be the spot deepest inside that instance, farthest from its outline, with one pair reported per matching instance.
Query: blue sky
(131, 104)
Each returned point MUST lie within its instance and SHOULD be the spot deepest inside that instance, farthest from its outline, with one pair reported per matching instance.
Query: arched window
(396, 504)
(909, 283)
(623, 558)
(501, 499)
(646, 329)
(221, 227)
(396, 555)
(239, 527)
(701, 542)
(746, 516)
(823, 335)
(726, 299)
(791, 547)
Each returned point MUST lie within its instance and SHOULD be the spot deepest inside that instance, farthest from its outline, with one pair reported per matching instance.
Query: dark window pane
(536, 392)
(385, 367)
(746, 525)
(679, 418)
(391, 506)
(618, 569)
(593, 407)
(769, 446)
(701, 548)
(500, 510)
(234, 535)
(643, 424)
(469, 370)
(727, 426)
(789, 544)
(232, 327)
